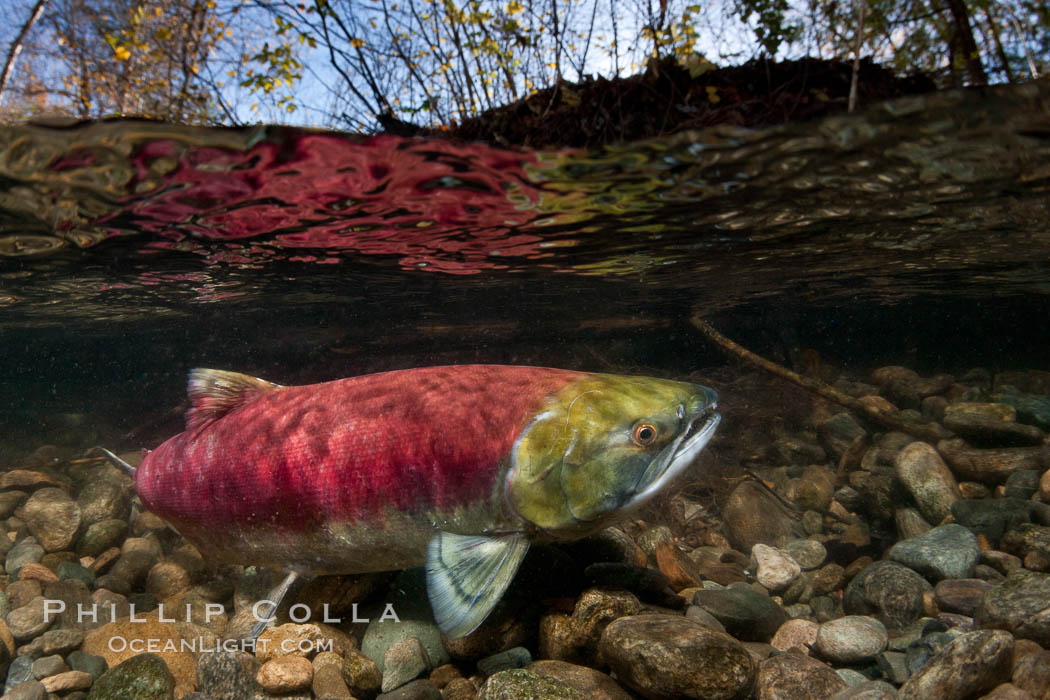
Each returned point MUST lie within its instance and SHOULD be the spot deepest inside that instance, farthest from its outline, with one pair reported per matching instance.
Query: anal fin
(467, 575)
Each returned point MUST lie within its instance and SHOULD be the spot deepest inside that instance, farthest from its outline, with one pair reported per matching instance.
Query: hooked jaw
(680, 454)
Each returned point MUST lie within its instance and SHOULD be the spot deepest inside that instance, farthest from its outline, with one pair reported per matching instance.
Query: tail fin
(117, 462)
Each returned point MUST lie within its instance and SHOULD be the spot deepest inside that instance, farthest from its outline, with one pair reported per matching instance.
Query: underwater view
(729, 413)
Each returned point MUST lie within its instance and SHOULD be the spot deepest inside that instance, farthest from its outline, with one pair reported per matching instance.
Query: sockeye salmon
(457, 468)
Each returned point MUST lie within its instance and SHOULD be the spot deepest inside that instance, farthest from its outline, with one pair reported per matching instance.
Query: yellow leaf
(121, 53)
(712, 95)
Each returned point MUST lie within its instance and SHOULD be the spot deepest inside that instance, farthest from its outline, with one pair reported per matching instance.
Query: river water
(915, 232)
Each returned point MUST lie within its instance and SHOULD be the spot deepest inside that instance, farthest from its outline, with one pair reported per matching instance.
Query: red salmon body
(284, 466)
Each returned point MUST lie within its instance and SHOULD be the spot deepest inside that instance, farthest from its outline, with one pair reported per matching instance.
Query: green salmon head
(604, 445)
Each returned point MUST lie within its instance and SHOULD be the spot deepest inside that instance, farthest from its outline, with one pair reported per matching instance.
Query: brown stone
(968, 666)
(153, 635)
(1007, 691)
(590, 683)
(301, 640)
(285, 674)
(361, 674)
(960, 595)
(459, 689)
(796, 677)
(69, 680)
(23, 478)
(53, 518)
(1032, 673)
(673, 656)
(36, 572)
(679, 570)
(991, 466)
(795, 634)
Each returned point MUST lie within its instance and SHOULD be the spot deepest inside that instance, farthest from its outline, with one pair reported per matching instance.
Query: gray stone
(102, 499)
(53, 518)
(49, 666)
(774, 569)
(142, 677)
(518, 657)
(409, 599)
(969, 666)
(28, 621)
(1022, 484)
(928, 480)
(61, 641)
(948, 551)
(20, 671)
(672, 656)
(894, 666)
(838, 432)
(1020, 605)
(100, 536)
(423, 689)
(744, 612)
(888, 591)
(89, 663)
(869, 690)
(851, 639)
(404, 661)
(29, 690)
(992, 517)
(227, 675)
(73, 570)
(27, 550)
(809, 554)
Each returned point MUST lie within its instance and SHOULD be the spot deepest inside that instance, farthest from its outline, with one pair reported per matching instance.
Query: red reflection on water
(456, 208)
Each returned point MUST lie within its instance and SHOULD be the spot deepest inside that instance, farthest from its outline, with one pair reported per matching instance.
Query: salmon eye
(643, 434)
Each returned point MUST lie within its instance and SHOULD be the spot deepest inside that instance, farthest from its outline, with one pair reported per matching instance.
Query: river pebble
(796, 677)
(928, 479)
(53, 518)
(973, 664)
(851, 639)
(774, 569)
(1020, 605)
(285, 674)
(143, 677)
(744, 612)
(890, 592)
(948, 551)
(667, 655)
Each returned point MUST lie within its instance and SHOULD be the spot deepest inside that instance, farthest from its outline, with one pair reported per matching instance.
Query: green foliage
(771, 25)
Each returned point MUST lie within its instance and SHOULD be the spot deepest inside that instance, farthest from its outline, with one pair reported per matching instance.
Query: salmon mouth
(675, 459)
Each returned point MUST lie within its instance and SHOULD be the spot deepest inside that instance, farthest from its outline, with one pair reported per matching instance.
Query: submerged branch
(923, 431)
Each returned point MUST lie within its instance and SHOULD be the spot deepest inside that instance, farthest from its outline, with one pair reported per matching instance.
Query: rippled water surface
(130, 251)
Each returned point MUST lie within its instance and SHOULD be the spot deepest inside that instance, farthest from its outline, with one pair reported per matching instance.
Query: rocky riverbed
(838, 560)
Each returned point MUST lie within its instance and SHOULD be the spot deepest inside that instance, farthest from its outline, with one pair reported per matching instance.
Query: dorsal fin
(215, 392)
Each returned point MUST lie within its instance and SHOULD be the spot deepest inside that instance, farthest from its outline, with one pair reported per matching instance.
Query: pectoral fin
(467, 575)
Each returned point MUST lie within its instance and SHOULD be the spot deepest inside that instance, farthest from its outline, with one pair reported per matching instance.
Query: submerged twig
(923, 431)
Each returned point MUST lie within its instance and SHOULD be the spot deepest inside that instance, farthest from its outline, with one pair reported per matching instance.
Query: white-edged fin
(467, 575)
(215, 392)
(275, 597)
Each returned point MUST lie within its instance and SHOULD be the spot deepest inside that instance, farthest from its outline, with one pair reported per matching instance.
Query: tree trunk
(965, 41)
(16, 46)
